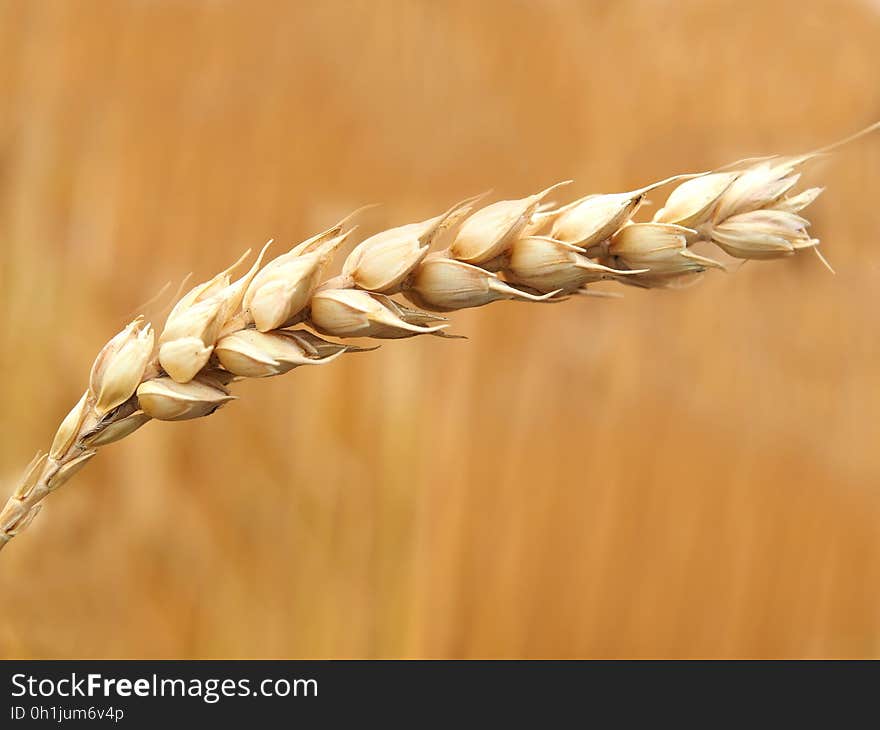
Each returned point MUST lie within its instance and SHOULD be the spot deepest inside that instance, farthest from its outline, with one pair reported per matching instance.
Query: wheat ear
(524, 250)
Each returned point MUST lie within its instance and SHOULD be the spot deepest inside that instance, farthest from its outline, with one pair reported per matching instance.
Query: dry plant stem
(522, 250)
(45, 474)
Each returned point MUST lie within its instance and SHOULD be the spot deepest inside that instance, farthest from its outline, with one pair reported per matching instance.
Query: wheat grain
(521, 250)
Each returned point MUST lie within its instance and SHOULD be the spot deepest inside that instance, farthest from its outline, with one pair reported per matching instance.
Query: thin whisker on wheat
(145, 306)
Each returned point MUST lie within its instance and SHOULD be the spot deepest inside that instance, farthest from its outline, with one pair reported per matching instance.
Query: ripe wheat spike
(529, 250)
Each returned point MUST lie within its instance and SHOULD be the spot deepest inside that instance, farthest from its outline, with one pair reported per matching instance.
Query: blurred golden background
(675, 474)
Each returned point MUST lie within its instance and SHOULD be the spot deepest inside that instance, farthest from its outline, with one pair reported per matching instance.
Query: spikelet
(757, 187)
(165, 399)
(382, 262)
(283, 288)
(253, 354)
(443, 284)
(592, 219)
(659, 247)
(763, 234)
(355, 313)
(547, 265)
(691, 203)
(486, 234)
(120, 365)
(196, 322)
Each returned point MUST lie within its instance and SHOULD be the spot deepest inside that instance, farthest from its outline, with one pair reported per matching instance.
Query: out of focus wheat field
(688, 473)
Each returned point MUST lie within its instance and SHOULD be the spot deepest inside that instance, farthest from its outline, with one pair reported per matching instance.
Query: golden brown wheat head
(528, 250)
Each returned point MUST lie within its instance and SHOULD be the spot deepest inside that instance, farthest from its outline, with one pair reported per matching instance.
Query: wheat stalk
(524, 250)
